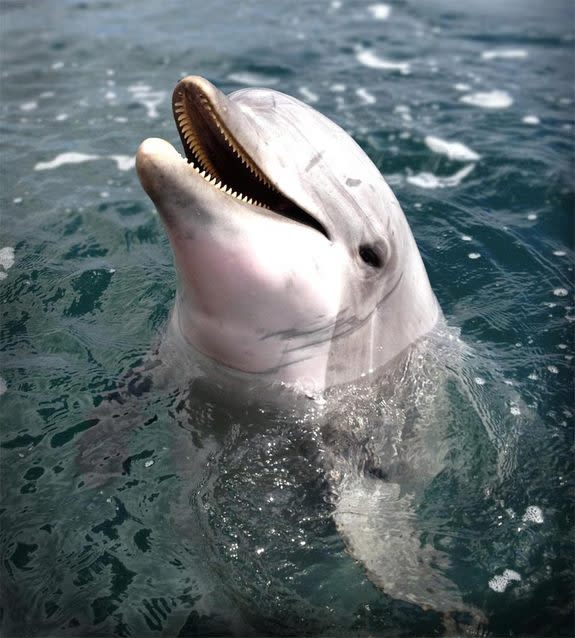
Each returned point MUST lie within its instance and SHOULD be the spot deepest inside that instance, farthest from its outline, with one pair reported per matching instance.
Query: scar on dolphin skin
(313, 161)
(350, 181)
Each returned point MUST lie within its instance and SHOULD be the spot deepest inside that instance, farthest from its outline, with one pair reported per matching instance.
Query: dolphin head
(295, 259)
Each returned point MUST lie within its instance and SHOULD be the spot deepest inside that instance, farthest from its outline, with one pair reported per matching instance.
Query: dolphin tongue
(200, 110)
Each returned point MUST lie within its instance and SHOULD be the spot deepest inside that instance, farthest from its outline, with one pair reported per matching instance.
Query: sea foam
(429, 180)
(488, 99)
(453, 150)
(380, 11)
(370, 59)
(504, 54)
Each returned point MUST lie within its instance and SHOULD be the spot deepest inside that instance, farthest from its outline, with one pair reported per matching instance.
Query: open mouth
(214, 153)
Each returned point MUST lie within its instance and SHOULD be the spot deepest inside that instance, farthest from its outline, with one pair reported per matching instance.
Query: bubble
(500, 582)
(533, 514)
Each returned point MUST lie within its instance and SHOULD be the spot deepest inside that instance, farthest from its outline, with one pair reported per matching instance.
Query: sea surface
(468, 110)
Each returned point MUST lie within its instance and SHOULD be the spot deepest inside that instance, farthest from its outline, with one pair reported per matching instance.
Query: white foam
(533, 514)
(380, 11)
(249, 78)
(559, 253)
(29, 106)
(553, 369)
(460, 86)
(61, 117)
(514, 409)
(365, 96)
(124, 162)
(429, 180)
(6, 257)
(531, 119)
(370, 59)
(474, 255)
(150, 99)
(488, 99)
(499, 582)
(3, 386)
(466, 238)
(65, 158)
(532, 217)
(308, 96)
(479, 380)
(560, 292)
(453, 150)
(504, 54)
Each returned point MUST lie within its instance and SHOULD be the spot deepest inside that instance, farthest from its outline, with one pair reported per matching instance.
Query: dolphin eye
(369, 256)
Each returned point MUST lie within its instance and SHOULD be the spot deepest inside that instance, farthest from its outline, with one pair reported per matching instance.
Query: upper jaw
(209, 125)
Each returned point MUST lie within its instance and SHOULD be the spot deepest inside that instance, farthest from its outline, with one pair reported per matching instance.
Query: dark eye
(369, 256)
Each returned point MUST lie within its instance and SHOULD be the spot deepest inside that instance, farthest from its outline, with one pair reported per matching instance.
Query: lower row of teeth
(226, 189)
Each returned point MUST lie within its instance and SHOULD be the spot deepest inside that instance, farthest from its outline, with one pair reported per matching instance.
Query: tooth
(219, 184)
(203, 173)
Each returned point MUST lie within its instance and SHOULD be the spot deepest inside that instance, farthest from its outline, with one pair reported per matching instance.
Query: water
(173, 547)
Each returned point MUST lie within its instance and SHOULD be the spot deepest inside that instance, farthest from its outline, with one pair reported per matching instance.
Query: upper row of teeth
(196, 148)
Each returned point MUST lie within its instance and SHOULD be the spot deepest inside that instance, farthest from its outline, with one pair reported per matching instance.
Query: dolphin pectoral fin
(377, 524)
(102, 449)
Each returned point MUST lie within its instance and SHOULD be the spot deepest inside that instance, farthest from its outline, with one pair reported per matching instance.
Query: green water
(169, 544)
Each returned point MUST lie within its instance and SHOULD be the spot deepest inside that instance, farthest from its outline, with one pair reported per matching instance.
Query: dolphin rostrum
(295, 259)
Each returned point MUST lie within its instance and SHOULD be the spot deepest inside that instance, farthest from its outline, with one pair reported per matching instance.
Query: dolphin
(297, 269)
(295, 260)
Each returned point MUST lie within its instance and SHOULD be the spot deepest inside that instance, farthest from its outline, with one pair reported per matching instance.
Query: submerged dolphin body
(295, 259)
(297, 268)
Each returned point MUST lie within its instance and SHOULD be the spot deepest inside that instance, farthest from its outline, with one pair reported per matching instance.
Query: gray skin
(274, 301)
(263, 294)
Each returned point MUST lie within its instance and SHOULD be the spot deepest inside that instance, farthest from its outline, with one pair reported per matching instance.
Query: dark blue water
(184, 544)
